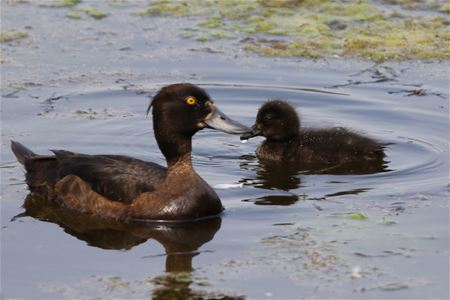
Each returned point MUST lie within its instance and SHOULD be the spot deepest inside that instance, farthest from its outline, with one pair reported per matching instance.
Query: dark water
(284, 230)
(284, 234)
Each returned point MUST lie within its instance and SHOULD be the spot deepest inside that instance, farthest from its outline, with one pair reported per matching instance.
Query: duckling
(335, 149)
(125, 188)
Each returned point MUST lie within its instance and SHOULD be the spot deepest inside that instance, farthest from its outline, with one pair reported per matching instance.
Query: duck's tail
(21, 152)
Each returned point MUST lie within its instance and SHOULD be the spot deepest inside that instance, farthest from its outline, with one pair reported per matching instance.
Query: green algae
(350, 216)
(416, 4)
(89, 11)
(357, 216)
(65, 3)
(214, 35)
(318, 29)
(95, 13)
(166, 8)
(74, 14)
(280, 3)
(8, 36)
(211, 23)
(186, 35)
(445, 8)
(302, 254)
(388, 222)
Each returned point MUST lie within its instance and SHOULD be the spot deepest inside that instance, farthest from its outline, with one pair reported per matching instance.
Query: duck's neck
(183, 162)
(176, 149)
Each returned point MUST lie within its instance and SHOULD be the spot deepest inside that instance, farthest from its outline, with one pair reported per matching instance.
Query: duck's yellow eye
(191, 100)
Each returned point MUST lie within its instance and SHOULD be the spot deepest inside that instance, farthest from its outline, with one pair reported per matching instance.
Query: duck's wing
(116, 177)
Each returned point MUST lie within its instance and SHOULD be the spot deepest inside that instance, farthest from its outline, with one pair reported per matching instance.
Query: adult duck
(126, 188)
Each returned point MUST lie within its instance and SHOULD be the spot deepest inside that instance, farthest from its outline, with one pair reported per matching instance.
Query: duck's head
(183, 109)
(276, 120)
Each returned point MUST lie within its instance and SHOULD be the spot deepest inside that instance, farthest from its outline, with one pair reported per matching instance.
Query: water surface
(283, 234)
(287, 229)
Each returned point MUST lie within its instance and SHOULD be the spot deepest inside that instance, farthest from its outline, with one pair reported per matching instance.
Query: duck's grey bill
(254, 131)
(219, 121)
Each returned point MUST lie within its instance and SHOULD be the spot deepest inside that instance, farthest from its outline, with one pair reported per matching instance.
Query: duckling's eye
(268, 117)
(191, 100)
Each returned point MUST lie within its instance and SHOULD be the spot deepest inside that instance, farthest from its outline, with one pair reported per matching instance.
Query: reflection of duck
(180, 240)
(333, 150)
(125, 188)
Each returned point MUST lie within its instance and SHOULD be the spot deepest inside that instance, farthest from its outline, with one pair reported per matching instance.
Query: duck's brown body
(119, 187)
(125, 188)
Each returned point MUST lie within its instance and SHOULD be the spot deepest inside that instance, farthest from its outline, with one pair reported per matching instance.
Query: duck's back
(116, 177)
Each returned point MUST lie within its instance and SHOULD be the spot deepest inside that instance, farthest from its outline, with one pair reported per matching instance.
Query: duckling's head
(183, 109)
(276, 120)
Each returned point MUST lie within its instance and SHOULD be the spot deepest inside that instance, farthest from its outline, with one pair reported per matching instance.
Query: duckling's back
(334, 150)
(338, 146)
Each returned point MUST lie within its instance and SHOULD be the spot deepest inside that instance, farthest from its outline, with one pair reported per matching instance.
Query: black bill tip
(254, 131)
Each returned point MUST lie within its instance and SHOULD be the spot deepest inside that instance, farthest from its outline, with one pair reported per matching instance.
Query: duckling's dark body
(312, 148)
(125, 188)
(325, 146)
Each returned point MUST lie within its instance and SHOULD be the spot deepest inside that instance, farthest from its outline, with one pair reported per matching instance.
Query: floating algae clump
(166, 8)
(74, 14)
(90, 11)
(65, 3)
(211, 23)
(94, 13)
(350, 215)
(8, 36)
(320, 28)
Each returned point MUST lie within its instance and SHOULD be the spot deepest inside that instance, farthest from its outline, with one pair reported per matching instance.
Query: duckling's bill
(219, 121)
(252, 132)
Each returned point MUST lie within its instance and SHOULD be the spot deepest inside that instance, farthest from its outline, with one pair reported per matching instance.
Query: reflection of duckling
(333, 150)
(125, 188)
(269, 175)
